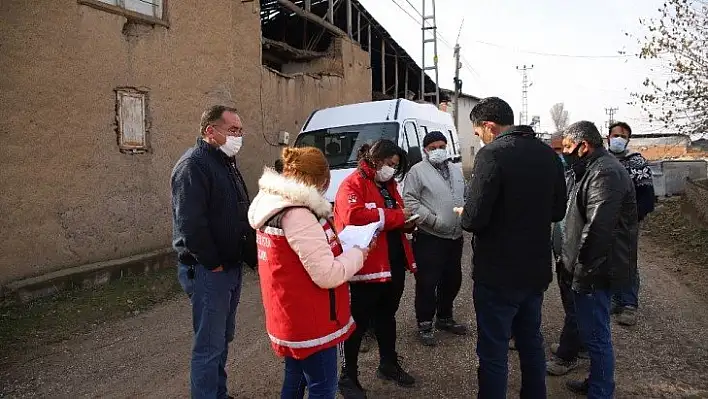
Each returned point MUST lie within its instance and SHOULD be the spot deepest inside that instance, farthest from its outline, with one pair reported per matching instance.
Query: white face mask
(438, 156)
(232, 146)
(385, 174)
(618, 144)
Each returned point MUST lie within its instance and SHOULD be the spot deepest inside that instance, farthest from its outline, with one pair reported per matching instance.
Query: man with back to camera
(557, 145)
(517, 190)
(209, 211)
(433, 189)
(599, 251)
(626, 301)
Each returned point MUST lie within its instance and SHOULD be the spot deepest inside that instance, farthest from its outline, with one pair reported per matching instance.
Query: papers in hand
(358, 236)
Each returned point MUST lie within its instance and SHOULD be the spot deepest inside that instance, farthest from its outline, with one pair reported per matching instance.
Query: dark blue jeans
(214, 297)
(570, 343)
(501, 312)
(317, 373)
(629, 296)
(593, 316)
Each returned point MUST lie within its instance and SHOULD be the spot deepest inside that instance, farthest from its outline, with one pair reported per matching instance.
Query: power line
(553, 54)
(440, 37)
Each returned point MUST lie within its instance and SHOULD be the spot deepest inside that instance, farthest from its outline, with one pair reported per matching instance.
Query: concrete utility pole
(457, 81)
(611, 112)
(524, 118)
(458, 87)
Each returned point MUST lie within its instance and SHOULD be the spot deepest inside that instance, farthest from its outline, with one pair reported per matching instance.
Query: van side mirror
(414, 156)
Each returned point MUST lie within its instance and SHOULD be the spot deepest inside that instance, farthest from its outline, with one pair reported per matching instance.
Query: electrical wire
(260, 98)
(553, 54)
(540, 53)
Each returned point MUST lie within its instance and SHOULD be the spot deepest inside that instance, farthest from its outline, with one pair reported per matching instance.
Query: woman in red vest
(369, 195)
(303, 272)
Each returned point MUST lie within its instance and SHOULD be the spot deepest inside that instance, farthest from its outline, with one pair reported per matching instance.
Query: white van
(340, 131)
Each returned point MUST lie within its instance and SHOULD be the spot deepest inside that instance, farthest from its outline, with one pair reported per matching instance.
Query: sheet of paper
(358, 236)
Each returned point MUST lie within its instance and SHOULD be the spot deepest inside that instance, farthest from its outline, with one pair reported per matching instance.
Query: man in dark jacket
(517, 190)
(209, 213)
(565, 353)
(599, 247)
(627, 300)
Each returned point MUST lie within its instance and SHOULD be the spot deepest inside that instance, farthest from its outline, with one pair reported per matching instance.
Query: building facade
(101, 97)
(469, 142)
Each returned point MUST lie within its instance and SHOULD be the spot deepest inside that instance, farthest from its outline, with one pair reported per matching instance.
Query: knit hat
(433, 137)
(306, 164)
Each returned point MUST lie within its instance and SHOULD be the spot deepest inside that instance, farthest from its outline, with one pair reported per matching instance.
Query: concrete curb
(84, 276)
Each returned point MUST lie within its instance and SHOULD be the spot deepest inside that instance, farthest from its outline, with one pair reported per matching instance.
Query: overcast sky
(572, 45)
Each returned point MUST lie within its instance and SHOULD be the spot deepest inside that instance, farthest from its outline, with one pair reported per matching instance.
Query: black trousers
(570, 343)
(377, 303)
(439, 275)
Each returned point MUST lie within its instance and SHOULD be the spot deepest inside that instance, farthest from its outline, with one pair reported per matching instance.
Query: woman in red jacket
(369, 195)
(303, 272)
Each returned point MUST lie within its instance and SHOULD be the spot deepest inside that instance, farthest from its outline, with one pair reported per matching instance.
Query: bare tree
(559, 116)
(679, 40)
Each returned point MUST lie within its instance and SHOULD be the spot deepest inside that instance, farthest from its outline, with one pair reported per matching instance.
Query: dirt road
(665, 355)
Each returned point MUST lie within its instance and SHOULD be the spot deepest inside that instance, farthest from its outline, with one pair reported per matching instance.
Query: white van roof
(375, 112)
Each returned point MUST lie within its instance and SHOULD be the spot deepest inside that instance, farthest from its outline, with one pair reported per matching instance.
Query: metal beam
(422, 85)
(330, 11)
(395, 81)
(358, 27)
(383, 66)
(405, 84)
(312, 17)
(349, 18)
(308, 5)
(369, 48)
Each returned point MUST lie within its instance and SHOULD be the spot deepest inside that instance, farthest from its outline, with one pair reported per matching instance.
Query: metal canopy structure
(304, 30)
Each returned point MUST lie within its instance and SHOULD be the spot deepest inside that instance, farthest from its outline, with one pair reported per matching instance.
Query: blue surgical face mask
(618, 144)
(565, 164)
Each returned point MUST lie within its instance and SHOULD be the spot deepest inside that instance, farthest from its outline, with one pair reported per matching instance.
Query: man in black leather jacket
(599, 246)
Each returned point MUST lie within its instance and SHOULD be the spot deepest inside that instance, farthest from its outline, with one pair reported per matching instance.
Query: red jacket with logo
(359, 202)
(301, 318)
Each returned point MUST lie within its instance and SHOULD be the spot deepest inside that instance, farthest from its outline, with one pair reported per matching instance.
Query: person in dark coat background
(516, 192)
(626, 302)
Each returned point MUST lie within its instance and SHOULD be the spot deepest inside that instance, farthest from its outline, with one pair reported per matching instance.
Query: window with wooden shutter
(146, 11)
(131, 108)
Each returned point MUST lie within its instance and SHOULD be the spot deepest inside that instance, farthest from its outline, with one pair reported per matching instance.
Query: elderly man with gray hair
(599, 252)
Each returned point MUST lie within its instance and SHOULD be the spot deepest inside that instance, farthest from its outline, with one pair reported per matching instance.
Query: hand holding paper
(359, 236)
(458, 210)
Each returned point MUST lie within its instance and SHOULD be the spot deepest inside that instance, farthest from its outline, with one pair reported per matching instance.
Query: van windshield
(341, 144)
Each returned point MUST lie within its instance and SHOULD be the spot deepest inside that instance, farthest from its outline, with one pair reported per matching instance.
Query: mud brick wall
(695, 201)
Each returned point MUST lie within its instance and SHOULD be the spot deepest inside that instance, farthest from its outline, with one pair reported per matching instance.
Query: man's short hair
(213, 114)
(624, 127)
(557, 136)
(492, 109)
(584, 131)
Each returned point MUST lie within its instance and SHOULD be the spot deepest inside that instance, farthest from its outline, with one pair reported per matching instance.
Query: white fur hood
(276, 192)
